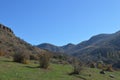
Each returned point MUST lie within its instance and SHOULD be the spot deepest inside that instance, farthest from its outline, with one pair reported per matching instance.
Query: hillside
(10, 44)
(106, 46)
(102, 46)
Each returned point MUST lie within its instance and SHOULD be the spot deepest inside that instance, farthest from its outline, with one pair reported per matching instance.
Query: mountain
(50, 47)
(106, 45)
(10, 44)
(102, 46)
(53, 48)
(67, 47)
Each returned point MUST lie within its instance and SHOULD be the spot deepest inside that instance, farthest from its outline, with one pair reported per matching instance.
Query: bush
(93, 65)
(2, 52)
(77, 66)
(100, 65)
(33, 57)
(21, 56)
(44, 60)
(109, 68)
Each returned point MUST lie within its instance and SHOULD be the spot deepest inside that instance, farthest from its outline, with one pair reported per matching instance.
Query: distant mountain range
(102, 46)
(53, 48)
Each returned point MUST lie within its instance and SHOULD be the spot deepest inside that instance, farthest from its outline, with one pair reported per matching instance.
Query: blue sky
(60, 21)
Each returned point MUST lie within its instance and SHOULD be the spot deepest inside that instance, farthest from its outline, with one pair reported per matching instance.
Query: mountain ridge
(105, 44)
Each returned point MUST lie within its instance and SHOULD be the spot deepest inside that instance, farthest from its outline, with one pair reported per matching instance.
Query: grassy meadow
(15, 71)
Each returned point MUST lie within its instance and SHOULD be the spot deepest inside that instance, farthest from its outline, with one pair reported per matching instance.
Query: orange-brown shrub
(2, 52)
(109, 68)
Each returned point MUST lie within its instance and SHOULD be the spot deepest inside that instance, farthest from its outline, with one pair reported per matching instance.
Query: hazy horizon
(60, 22)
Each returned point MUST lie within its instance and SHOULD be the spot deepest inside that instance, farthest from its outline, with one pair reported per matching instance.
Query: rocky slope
(10, 44)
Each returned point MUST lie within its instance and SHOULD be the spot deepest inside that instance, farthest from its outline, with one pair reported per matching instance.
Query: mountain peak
(69, 44)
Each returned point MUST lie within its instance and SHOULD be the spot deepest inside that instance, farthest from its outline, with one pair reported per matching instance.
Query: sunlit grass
(14, 71)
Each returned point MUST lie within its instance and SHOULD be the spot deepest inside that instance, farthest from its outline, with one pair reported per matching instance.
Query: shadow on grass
(77, 75)
(80, 77)
(6, 60)
(32, 67)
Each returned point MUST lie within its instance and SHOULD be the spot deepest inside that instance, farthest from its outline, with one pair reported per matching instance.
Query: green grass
(95, 74)
(14, 71)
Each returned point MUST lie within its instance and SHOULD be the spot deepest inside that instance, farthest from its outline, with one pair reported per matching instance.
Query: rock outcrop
(5, 28)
